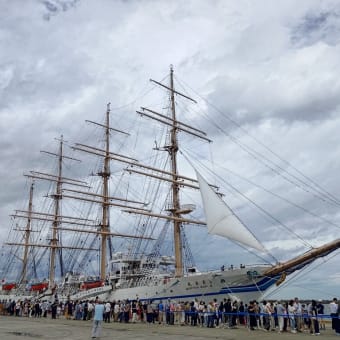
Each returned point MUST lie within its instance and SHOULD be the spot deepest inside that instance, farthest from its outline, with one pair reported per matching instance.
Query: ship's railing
(231, 268)
(91, 292)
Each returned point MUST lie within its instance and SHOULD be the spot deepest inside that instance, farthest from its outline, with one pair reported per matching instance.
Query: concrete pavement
(21, 328)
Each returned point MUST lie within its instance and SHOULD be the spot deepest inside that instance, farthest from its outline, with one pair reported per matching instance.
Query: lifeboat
(39, 286)
(9, 286)
(91, 284)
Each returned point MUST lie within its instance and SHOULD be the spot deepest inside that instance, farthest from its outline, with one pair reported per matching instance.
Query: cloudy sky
(270, 68)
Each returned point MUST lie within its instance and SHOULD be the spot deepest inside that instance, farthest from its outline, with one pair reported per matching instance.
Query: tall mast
(105, 195)
(57, 197)
(173, 149)
(104, 199)
(174, 177)
(27, 235)
(55, 217)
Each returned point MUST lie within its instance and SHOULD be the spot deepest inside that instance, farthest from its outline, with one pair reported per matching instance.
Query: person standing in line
(314, 319)
(227, 313)
(265, 312)
(127, 310)
(281, 312)
(134, 311)
(320, 308)
(85, 308)
(241, 317)
(291, 313)
(116, 310)
(252, 315)
(271, 312)
(70, 310)
(90, 310)
(97, 319)
(337, 321)
(234, 310)
(298, 315)
(107, 311)
(54, 310)
(160, 312)
(149, 313)
(333, 306)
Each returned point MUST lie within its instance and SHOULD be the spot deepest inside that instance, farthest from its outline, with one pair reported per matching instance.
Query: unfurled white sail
(221, 220)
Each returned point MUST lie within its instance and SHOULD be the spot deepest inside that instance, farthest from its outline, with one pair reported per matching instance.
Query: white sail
(221, 220)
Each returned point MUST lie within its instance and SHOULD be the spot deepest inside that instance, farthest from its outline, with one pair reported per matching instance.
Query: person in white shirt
(334, 312)
(107, 312)
(90, 310)
(291, 313)
(116, 311)
(281, 311)
(298, 317)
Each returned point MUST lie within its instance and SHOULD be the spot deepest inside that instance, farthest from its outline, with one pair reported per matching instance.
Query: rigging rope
(258, 206)
(302, 272)
(271, 255)
(321, 193)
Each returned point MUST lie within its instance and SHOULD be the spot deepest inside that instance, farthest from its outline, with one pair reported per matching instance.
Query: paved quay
(12, 328)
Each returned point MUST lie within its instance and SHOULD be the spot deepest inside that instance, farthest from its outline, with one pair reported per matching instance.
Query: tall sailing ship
(80, 249)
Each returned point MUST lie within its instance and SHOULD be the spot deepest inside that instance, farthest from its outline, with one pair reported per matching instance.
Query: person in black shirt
(320, 308)
(252, 316)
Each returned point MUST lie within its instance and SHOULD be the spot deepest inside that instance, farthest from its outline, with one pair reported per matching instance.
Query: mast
(27, 236)
(104, 198)
(172, 176)
(173, 149)
(57, 197)
(105, 174)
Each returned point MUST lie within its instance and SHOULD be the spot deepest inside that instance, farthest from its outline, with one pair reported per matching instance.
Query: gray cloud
(54, 7)
(317, 26)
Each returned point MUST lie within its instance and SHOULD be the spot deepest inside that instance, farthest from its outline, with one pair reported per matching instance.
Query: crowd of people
(290, 316)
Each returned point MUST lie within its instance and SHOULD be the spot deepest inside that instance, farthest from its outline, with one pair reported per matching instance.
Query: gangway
(86, 294)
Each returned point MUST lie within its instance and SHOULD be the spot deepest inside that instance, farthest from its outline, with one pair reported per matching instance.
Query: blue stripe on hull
(262, 285)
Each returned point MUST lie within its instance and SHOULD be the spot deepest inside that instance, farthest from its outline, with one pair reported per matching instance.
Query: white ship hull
(242, 284)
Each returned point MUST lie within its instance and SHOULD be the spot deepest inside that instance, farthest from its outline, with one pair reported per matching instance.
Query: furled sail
(221, 220)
